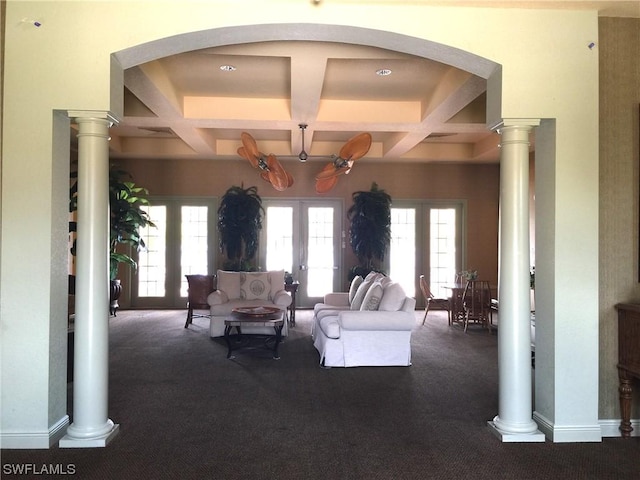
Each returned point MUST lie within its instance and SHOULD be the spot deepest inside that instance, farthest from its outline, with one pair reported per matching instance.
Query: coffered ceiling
(196, 104)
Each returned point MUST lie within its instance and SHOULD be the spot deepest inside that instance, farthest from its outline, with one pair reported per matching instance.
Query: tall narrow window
(320, 260)
(402, 253)
(194, 248)
(442, 226)
(152, 265)
(279, 238)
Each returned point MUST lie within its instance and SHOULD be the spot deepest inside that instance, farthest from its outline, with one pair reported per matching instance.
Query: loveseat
(368, 326)
(246, 289)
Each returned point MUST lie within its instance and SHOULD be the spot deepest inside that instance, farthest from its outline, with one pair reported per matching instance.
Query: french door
(181, 244)
(304, 237)
(426, 239)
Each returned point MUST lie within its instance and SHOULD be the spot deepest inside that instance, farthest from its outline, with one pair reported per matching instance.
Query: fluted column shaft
(91, 426)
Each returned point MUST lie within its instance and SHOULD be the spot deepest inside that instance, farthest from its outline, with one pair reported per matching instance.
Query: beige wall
(619, 157)
(550, 76)
(477, 185)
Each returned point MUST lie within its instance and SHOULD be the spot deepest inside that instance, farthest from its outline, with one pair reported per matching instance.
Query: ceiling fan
(272, 170)
(342, 163)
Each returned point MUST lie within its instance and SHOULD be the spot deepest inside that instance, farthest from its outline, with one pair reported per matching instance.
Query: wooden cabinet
(628, 359)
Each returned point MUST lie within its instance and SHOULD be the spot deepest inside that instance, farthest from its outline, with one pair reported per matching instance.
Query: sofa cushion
(276, 281)
(330, 326)
(229, 283)
(255, 286)
(363, 289)
(373, 296)
(353, 288)
(392, 298)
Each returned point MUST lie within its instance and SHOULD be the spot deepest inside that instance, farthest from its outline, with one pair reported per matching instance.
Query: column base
(95, 442)
(509, 437)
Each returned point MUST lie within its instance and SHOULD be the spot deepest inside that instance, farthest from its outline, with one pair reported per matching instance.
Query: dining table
(455, 300)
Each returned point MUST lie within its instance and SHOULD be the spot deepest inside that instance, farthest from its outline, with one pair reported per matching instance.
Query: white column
(91, 426)
(514, 422)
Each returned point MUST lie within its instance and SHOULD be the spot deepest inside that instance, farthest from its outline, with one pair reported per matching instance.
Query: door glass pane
(402, 253)
(442, 226)
(279, 238)
(320, 251)
(193, 244)
(152, 261)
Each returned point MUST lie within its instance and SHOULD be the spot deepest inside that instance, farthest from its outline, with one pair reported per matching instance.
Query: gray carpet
(187, 412)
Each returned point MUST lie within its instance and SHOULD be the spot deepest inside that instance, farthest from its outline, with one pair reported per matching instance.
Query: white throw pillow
(363, 289)
(276, 282)
(372, 298)
(355, 283)
(392, 298)
(229, 283)
(254, 286)
(360, 293)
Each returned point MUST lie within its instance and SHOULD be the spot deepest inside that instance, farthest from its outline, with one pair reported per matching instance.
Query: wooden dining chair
(476, 301)
(200, 286)
(431, 302)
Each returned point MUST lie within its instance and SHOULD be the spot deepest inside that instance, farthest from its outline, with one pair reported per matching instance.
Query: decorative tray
(256, 312)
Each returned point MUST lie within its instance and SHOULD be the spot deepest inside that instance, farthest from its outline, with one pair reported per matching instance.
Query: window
(182, 244)
(442, 249)
(402, 252)
(280, 238)
(194, 248)
(320, 253)
(152, 265)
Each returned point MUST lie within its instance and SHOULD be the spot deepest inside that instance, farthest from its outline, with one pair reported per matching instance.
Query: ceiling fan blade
(289, 179)
(328, 171)
(356, 147)
(332, 172)
(250, 145)
(243, 153)
(277, 175)
(265, 176)
(323, 185)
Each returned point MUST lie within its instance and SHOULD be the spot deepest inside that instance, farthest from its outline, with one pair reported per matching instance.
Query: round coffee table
(254, 317)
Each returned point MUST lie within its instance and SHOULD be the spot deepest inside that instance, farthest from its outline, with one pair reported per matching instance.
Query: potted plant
(127, 217)
(370, 229)
(239, 224)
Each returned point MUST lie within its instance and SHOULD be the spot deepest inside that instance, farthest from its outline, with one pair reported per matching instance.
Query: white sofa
(369, 326)
(246, 289)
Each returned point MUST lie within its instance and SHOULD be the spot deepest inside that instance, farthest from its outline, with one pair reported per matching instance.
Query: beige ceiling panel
(369, 112)
(441, 152)
(150, 147)
(237, 108)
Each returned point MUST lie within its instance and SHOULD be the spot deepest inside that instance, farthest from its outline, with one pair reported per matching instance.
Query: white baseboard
(568, 433)
(611, 428)
(35, 440)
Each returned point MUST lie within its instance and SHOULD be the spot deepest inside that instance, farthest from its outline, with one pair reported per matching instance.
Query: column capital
(515, 122)
(79, 115)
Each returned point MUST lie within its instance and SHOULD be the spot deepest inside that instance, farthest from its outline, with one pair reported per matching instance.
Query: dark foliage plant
(127, 216)
(370, 228)
(239, 224)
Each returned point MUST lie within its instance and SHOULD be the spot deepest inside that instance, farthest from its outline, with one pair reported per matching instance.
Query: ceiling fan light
(302, 156)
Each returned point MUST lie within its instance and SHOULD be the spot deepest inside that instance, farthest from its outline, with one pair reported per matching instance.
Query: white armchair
(246, 289)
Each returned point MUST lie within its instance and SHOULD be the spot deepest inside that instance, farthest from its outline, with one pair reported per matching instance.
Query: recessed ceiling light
(227, 68)
(383, 72)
